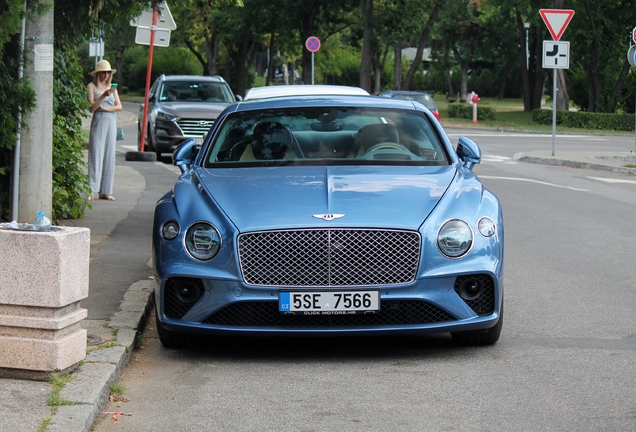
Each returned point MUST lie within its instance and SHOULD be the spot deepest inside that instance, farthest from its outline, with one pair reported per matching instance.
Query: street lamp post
(526, 25)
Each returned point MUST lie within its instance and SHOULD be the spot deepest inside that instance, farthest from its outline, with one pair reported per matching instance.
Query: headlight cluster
(202, 241)
(455, 237)
(166, 117)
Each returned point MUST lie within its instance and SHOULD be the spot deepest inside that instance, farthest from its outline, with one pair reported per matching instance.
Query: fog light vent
(478, 291)
(180, 295)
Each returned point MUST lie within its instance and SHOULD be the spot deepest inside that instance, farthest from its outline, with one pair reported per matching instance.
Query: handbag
(120, 133)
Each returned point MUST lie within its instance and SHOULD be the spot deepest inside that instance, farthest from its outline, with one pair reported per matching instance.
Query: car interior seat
(272, 141)
(372, 134)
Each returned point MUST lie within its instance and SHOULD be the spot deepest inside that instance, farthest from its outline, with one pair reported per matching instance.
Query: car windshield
(325, 136)
(195, 91)
(424, 99)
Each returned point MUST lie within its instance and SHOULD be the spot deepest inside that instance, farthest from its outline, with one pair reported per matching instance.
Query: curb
(573, 164)
(90, 388)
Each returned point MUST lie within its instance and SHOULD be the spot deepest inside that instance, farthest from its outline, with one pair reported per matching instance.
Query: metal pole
(15, 187)
(153, 29)
(312, 67)
(554, 106)
(527, 52)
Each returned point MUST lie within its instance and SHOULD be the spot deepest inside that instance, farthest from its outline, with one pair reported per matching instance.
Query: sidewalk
(112, 336)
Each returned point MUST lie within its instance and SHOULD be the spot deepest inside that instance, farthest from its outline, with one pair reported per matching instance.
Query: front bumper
(228, 307)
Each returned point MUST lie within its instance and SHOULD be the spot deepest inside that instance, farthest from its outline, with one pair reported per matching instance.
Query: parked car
(182, 107)
(328, 215)
(422, 97)
(302, 90)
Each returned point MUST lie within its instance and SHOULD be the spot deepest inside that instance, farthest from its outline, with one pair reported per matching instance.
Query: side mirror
(468, 152)
(239, 98)
(183, 156)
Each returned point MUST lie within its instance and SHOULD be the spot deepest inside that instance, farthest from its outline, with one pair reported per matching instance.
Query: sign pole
(554, 107)
(142, 139)
(312, 68)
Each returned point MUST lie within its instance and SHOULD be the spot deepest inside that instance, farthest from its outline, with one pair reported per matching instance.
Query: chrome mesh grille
(329, 258)
(195, 127)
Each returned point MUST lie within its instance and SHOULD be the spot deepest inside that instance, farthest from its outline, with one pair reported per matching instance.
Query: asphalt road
(566, 359)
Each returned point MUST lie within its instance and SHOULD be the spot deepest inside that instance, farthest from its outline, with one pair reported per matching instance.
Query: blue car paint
(423, 199)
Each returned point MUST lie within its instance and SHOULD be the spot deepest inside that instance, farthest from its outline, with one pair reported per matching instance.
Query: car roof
(392, 92)
(302, 90)
(324, 101)
(193, 78)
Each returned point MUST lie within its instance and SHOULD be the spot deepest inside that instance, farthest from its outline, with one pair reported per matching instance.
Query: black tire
(150, 147)
(136, 156)
(482, 337)
(171, 339)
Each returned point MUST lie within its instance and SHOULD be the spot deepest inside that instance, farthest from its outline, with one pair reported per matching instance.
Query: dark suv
(181, 107)
(418, 96)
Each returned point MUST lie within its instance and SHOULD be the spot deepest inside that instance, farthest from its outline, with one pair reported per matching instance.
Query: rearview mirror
(183, 156)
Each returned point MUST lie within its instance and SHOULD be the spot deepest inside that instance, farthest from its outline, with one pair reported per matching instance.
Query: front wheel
(476, 338)
(171, 339)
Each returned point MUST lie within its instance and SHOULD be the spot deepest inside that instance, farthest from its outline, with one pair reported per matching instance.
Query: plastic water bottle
(41, 223)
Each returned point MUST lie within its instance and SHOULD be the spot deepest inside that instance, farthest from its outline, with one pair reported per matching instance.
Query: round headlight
(486, 227)
(170, 230)
(202, 241)
(455, 238)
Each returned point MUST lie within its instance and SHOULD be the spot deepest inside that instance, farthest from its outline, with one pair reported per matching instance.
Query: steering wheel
(239, 147)
(386, 146)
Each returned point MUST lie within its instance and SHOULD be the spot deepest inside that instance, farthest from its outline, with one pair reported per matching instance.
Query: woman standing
(105, 103)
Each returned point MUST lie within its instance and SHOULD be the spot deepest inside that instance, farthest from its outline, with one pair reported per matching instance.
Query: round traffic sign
(631, 56)
(312, 43)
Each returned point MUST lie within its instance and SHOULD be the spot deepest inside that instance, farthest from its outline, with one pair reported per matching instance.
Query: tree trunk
(397, 65)
(270, 63)
(563, 99)
(504, 81)
(367, 45)
(593, 74)
(424, 39)
(539, 74)
(523, 59)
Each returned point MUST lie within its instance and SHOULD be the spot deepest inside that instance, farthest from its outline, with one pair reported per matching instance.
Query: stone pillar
(43, 277)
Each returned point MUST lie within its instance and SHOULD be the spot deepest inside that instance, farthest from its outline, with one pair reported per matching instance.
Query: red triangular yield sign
(557, 20)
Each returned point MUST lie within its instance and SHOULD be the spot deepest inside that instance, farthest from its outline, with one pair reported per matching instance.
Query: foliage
(168, 61)
(16, 95)
(465, 111)
(586, 120)
(69, 106)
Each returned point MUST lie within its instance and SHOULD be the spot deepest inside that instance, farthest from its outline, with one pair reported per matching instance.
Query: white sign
(556, 55)
(43, 58)
(162, 37)
(556, 20)
(164, 18)
(96, 47)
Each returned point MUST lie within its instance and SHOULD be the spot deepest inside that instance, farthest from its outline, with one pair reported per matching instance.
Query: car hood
(294, 197)
(206, 110)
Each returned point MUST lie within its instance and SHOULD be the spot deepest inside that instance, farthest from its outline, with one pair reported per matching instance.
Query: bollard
(43, 277)
(474, 100)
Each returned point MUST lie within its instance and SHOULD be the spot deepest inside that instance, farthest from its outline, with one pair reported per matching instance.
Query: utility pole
(36, 143)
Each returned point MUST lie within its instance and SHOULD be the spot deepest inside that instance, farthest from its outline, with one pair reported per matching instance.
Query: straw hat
(103, 66)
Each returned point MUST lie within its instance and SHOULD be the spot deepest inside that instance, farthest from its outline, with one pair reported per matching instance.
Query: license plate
(329, 302)
(198, 140)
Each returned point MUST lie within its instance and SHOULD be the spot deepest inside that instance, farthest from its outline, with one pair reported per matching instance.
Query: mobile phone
(113, 85)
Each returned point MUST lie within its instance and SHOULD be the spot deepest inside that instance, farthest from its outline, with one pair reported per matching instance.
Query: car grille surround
(266, 314)
(329, 257)
(195, 127)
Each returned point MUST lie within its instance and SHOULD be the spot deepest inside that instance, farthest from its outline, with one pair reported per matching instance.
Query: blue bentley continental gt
(328, 215)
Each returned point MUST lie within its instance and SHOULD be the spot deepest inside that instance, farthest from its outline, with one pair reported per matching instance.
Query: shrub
(586, 120)
(465, 111)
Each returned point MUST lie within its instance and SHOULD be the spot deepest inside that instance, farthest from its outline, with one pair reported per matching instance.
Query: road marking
(532, 181)
(495, 158)
(612, 180)
(521, 135)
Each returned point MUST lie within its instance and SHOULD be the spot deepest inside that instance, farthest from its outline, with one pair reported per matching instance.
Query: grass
(510, 116)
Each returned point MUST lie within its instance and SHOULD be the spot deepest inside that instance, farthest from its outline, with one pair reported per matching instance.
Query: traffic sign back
(165, 20)
(556, 20)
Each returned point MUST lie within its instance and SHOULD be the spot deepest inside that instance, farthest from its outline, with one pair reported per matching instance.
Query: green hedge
(465, 111)
(586, 120)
